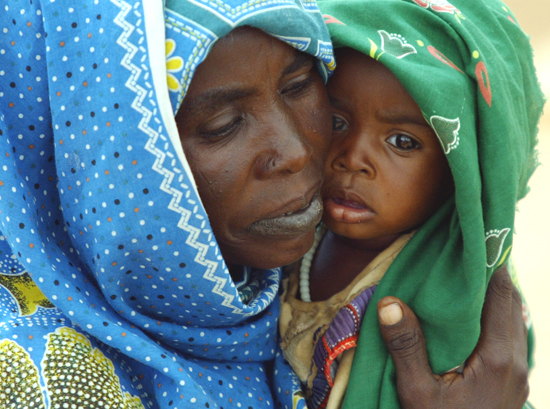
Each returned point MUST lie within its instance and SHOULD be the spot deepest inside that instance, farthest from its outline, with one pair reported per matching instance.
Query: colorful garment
(113, 292)
(469, 67)
(319, 338)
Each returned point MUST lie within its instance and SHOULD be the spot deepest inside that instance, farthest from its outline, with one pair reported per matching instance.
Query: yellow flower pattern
(26, 293)
(76, 375)
(19, 378)
(173, 64)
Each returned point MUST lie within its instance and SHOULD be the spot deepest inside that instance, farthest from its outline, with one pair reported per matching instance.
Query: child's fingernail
(390, 314)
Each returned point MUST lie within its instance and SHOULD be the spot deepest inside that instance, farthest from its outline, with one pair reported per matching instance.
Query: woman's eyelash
(223, 131)
(298, 87)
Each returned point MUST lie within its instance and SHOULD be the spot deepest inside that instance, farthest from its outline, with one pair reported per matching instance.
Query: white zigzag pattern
(166, 185)
(234, 15)
(269, 294)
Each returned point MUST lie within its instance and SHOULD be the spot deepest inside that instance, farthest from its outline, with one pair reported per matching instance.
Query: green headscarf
(469, 66)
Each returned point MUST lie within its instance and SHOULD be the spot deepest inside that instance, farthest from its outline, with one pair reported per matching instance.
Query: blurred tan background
(531, 252)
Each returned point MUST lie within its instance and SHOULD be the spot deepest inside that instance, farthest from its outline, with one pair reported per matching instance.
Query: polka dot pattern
(109, 270)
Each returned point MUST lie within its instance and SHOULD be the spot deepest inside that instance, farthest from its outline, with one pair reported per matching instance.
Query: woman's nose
(287, 149)
(353, 155)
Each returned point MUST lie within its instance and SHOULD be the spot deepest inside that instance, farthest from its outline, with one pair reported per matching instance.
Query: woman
(111, 225)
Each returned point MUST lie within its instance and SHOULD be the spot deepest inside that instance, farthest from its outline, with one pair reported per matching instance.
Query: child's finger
(405, 341)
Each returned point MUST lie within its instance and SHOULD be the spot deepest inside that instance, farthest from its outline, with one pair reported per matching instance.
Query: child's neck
(338, 260)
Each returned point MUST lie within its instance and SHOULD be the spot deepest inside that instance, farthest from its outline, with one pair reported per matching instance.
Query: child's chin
(356, 231)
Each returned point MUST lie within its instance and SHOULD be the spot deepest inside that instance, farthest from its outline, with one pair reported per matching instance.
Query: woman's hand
(495, 375)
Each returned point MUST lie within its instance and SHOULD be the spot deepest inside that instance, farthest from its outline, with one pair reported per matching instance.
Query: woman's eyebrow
(216, 98)
(301, 59)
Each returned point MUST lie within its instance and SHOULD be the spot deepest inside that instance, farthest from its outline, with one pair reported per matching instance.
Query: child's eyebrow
(400, 118)
(336, 103)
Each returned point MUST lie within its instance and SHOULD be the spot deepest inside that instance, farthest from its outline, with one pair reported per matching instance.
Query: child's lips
(347, 210)
(349, 203)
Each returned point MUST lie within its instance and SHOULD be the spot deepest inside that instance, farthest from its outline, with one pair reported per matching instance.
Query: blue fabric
(112, 286)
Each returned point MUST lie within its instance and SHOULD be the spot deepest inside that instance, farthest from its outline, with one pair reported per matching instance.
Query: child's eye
(403, 142)
(338, 124)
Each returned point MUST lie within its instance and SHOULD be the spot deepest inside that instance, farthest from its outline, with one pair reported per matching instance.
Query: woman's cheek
(316, 118)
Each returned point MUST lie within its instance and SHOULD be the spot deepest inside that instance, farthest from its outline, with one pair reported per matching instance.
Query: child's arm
(495, 375)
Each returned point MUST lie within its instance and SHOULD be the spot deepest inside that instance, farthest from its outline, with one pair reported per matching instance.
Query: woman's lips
(293, 223)
(347, 211)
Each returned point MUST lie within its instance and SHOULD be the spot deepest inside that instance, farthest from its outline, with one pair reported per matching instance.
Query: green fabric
(469, 67)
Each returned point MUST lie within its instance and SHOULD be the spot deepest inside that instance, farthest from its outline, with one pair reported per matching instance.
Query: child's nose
(354, 157)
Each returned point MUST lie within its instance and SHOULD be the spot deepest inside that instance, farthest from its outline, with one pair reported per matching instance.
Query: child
(412, 125)
(386, 173)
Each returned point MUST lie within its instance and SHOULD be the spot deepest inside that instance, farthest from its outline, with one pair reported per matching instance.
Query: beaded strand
(305, 266)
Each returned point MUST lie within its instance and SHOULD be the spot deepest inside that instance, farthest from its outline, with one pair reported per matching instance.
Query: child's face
(386, 171)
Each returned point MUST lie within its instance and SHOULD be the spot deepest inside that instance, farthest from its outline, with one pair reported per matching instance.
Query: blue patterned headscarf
(113, 290)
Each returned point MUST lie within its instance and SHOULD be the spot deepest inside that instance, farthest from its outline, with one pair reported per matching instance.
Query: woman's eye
(403, 142)
(338, 124)
(297, 88)
(221, 128)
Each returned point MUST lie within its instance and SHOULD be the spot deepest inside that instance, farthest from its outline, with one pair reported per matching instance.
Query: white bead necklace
(305, 266)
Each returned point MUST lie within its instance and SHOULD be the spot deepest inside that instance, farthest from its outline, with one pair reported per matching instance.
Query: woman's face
(255, 126)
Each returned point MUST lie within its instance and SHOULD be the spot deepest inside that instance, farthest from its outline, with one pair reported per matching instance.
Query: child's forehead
(351, 58)
(357, 68)
(369, 94)
(360, 79)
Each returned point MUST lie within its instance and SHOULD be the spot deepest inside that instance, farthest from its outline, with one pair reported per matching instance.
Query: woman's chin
(282, 250)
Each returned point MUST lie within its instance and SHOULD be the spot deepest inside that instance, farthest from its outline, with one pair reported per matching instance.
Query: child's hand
(495, 375)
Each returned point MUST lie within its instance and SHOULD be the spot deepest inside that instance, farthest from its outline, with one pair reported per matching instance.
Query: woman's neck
(339, 260)
(236, 272)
